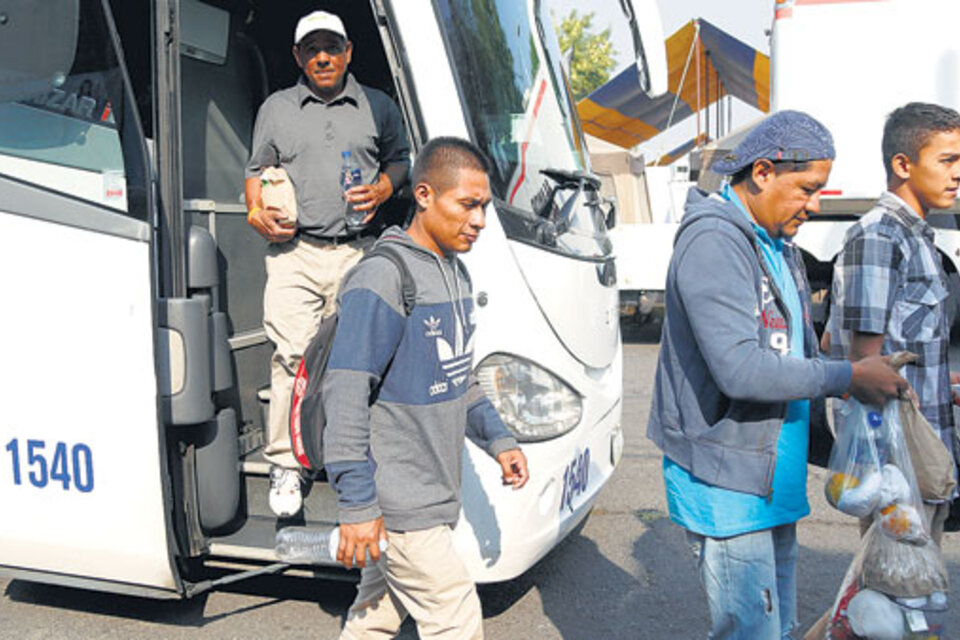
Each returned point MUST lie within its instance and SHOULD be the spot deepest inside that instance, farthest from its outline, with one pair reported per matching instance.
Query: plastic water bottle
(350, 176)
(306, 545)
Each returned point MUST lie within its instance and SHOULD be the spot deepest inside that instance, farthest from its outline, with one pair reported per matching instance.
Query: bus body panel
(501, 532)
(587, 324)
(440, 105)
(79, 466)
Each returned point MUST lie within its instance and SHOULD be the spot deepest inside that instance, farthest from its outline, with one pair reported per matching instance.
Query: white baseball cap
(317, 21)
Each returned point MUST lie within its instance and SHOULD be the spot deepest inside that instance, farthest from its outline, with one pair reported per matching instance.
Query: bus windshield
(507, 61)
(60, 126)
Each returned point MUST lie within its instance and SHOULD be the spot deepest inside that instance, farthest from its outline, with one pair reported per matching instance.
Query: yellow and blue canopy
(704, 62)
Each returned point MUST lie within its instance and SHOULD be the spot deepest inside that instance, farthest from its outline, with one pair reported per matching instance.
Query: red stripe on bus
(799, 2)
(526, 143)
(832, 192)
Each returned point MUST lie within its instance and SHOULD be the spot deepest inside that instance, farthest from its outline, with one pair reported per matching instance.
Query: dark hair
(779, 166)
(911, 126)
(441, 159)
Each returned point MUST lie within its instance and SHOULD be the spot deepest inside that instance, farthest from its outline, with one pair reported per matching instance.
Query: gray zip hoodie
(400, 457)
(725, 375)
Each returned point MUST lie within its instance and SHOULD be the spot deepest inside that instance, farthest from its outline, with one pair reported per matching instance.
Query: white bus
(134, 364)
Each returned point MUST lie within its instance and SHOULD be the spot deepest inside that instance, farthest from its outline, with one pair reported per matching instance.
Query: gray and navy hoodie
(725, 374)
(400, 457)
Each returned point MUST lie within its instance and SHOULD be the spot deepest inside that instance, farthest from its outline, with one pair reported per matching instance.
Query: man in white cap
(307, 129)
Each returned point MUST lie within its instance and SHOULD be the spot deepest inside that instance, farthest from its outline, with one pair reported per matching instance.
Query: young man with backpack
(399, 397)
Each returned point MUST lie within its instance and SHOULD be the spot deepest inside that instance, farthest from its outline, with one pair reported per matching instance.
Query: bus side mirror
(610, 217)
(38, 42)
(649, 45)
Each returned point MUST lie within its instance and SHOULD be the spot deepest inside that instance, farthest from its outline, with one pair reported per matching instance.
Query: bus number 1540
(50, 465)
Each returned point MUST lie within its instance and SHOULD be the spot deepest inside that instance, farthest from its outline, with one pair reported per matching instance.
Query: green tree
(593, 53)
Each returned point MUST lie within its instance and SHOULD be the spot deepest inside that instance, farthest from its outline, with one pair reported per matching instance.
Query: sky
(747, 20)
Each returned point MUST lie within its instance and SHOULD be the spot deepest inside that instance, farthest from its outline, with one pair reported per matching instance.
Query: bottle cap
(874, 419)
(345, 154)
(333, 543)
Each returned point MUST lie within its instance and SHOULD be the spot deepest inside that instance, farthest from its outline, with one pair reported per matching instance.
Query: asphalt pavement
(626, 573)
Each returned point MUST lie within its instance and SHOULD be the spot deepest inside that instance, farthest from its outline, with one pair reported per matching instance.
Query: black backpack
(307, 419)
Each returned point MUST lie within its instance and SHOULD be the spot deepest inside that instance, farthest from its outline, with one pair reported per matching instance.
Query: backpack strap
(463, 269)
(408, 287)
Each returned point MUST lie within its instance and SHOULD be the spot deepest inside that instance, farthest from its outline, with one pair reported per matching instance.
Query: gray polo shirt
(304, 135)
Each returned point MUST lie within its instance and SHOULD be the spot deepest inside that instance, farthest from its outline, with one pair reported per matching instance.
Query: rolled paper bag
(276, 192)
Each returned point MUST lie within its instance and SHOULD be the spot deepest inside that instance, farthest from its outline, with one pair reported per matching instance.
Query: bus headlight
(533, 403)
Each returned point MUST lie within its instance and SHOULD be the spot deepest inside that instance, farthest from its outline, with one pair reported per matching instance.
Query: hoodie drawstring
(459, 312)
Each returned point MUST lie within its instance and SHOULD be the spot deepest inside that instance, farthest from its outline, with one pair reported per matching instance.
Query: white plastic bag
(854, 483)
(872, 476)
(899, 505)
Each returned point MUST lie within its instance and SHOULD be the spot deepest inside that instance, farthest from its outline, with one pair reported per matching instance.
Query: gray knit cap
(786, 135)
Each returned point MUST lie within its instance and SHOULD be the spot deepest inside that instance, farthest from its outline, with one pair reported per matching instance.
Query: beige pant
(303, 278)
(422, 576)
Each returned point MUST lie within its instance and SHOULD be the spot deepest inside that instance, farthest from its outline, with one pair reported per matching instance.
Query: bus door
(83, 493)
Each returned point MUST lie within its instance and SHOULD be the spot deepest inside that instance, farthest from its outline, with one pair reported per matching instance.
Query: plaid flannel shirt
(888, 280)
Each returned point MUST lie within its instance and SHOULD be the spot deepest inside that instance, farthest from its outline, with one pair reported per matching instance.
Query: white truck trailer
(849, 63)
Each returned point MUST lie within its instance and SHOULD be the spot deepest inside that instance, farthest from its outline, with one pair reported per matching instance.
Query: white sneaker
(285, 498)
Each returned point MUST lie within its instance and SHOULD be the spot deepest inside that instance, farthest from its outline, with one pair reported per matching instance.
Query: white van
(134, 364)
(872, 58)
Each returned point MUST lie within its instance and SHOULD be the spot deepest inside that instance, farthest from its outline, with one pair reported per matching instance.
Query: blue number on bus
(58, 470)
(85, 485)
(38, 480)
(78, 466)
(576, 477)
(14, 449)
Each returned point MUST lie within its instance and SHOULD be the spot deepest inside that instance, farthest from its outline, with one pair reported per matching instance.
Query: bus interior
(234, 53)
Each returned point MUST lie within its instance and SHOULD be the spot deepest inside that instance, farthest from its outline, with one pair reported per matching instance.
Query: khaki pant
(303, 278)
(422, 576)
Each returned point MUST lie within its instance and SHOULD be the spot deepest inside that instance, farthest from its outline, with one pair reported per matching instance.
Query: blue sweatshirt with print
(725, 374)
(400, 456)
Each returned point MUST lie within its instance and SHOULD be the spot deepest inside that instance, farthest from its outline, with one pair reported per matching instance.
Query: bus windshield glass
(59, 125)
(507, 62)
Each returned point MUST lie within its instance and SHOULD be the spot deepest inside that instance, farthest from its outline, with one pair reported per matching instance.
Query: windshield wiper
(564, 180)
(556, 221)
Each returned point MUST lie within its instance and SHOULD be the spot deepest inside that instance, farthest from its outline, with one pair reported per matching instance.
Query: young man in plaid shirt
(889, 288)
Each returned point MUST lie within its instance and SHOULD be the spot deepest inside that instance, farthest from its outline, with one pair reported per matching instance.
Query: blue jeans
(751, 583)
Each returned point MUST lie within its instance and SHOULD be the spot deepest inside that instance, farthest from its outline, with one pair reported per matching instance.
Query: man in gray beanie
(738, 365)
